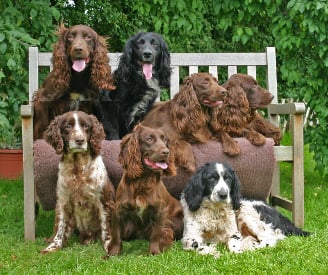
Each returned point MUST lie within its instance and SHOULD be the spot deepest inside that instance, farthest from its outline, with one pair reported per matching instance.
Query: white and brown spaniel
(214, 213)
(85, 195)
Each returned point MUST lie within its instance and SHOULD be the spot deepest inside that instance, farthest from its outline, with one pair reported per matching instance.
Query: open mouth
(211, 103)
(147, 69)
(155, 165)
(80, 64)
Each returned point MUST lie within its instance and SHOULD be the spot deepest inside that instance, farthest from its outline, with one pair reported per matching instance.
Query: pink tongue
(78, 65)
(147, 70)
(213, 103)
(152, 164)
(162, 165)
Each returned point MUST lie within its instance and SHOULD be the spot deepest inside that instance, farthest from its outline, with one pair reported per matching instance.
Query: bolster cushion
(254, 167)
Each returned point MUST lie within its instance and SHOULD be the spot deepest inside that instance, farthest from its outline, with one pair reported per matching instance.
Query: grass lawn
(294, 255)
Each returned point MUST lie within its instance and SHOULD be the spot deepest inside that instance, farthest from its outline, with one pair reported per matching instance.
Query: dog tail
(288, 228)
(278, 221)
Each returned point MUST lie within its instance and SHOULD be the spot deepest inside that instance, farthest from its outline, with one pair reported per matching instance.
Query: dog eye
(213, 178)
(68, 126)
(141, 41)
(88, 37)
(154, 42)
(70, 36)
(150, 139)
(85, 126)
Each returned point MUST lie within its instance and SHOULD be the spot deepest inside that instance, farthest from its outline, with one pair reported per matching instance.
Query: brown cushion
(254, 166)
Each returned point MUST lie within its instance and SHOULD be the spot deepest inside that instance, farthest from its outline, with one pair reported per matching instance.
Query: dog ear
(53, 135)
(97, 135)
(235, 188)
(171, 169)
(164, 64)
(193, 192)
(186, 113)
(123, 70)
(61, 68)
(130, 155)
(101, 76)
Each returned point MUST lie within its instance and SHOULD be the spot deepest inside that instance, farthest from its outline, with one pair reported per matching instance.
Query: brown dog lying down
(238, 116)
(189, 117)
(145, 208)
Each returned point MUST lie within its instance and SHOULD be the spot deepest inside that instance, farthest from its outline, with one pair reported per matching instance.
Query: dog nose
(271, 96)
(79, 140)
(222, 194)
(78, 49)
(147, 54)
(224, 92)
(164, 152)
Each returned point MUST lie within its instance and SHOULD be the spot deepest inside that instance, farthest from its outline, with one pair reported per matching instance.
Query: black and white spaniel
(214, 213)
(85, 195)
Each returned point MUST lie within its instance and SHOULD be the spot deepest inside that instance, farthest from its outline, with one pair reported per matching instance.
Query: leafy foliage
(19, 23)
(298, 30)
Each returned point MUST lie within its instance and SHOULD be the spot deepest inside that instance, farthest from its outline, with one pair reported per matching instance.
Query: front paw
(256, 138)
(231, 148)
(51, 248)
(209, 250)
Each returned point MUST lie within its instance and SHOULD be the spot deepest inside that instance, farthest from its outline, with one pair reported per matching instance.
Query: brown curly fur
(85, 195)
(189, 117)
(237, 116)
(54, 97)
(145, 208)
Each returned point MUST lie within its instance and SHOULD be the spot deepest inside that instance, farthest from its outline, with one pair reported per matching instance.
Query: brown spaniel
(145, 208)
(189, 117)
(85, 195)
(238, 116)
(80, 70)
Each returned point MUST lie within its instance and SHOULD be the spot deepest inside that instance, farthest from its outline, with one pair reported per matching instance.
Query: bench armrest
(295, 108)
(29, 196)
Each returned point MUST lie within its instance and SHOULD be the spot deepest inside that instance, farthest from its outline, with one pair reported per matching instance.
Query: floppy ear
(61, 67)
(101, 76)
(97, 135)
(130, 155)
(171, 169)
(123, 70)
(164, 64)
(186, 112)
(235, 188)
(193, 192)
(53, 135)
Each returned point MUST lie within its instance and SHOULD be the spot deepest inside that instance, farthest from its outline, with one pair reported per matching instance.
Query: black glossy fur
(135, 95)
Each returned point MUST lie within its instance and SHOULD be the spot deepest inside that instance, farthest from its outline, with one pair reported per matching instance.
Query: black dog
(144, 69)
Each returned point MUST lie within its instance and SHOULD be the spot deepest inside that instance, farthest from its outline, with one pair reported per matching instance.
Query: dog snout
(222, 194)
(78, 49)
(147, 55)
(79, 140)
(164, 152)
(223, 93)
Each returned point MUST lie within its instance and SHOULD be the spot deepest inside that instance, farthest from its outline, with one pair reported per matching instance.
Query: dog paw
(256, 139)
(209, 250)
(232, 150)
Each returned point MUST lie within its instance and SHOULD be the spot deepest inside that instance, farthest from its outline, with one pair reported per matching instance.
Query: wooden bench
(231, 62)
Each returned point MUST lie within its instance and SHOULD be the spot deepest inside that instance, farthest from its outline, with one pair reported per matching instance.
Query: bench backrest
(213, 63)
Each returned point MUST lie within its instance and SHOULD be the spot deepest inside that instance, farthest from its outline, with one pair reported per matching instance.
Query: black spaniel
(143, 70)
